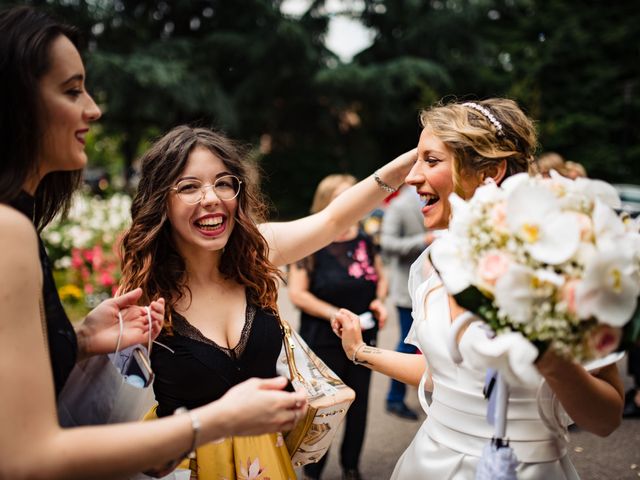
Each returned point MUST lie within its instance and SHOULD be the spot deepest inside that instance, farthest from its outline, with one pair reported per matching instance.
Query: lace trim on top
(182, 327)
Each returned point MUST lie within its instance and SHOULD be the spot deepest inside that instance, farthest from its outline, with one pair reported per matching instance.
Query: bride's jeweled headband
(485, 111)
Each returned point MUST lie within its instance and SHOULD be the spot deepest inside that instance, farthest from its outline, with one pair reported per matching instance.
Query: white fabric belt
(476, 404)
(468, 433)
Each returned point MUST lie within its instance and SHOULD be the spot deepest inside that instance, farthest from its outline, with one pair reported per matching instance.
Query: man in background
(402, 239)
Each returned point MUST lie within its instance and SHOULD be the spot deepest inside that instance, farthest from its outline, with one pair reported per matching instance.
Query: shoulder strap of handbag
(289, 346)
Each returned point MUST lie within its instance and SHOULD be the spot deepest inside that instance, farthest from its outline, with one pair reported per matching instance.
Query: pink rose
(76, 258)
(106, 279)
(604, 339)
(85, 274)
(568, 295)
(88, 255)
(97, 256)
(492, 266)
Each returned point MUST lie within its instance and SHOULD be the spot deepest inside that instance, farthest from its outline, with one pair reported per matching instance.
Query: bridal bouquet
(548, 258)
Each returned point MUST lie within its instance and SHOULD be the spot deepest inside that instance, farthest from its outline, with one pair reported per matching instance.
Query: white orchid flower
(461, 216)
(521, 287)
(569, 197)
(489, 192)
(581, 193)
(607, 225)
(492, 265)
(449, 258)
(513, 293)
(512, 182)
(550, 235)
(585, 253)
(609, 289)
(597, 190)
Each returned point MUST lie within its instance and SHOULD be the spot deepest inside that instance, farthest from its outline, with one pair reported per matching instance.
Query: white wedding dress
(451, 439)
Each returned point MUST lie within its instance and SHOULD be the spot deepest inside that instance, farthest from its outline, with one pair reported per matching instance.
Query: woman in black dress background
(348, 274)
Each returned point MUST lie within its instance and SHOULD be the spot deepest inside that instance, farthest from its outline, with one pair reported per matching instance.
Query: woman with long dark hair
(199, 239)
(45, 116)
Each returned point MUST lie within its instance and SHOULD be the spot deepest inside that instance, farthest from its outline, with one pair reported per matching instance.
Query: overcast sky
(345, 37)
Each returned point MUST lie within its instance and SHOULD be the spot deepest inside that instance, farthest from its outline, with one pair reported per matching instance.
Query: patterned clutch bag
(328, 397)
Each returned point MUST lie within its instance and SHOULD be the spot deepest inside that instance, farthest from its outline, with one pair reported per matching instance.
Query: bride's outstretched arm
(404, 367)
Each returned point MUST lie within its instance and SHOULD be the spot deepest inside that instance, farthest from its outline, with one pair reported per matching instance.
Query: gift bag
(328, 397)
(111, 388)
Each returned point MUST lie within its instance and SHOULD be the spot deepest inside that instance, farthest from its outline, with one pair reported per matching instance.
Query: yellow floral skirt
(256, 457)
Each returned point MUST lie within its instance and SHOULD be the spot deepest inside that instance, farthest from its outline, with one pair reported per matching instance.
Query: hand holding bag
(328, 397)
(111, 388)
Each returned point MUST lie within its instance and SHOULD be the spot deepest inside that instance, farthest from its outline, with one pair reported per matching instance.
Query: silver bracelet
(382, 184)
(355, 353)
(195, 426)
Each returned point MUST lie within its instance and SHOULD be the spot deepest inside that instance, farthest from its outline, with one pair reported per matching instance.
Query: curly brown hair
(476, 144)
(150, 259)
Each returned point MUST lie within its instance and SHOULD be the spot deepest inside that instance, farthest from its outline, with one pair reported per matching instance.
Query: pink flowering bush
(84, 249)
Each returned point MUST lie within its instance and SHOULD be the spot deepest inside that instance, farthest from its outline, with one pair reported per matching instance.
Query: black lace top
(63, 345)
(343, 274)
(192, 370)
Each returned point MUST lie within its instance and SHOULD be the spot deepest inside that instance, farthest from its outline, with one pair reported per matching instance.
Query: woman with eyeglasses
(46, 113)
(198, 239)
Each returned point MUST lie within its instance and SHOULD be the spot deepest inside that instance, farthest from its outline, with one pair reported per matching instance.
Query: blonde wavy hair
(327, 187)
(476, 144)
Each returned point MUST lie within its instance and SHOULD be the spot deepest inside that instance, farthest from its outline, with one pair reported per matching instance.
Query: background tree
(268, 80)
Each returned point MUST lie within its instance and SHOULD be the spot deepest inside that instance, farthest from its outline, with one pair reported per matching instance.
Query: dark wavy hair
(150, 258)
(26, 36)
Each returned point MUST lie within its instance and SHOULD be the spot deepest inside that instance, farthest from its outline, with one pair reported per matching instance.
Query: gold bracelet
(382, 184)
(355, 353)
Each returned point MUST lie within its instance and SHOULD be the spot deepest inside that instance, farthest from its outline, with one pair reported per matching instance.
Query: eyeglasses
(193, 191)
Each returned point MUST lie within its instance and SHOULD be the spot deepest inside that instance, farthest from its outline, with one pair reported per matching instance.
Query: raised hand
(99, 331)
(346, 325)
(379, 310)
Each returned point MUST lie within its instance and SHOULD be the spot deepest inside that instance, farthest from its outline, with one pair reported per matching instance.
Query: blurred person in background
(403, 238)
(550, 161)
(347, 273)
(574, 170)
(632, 396)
